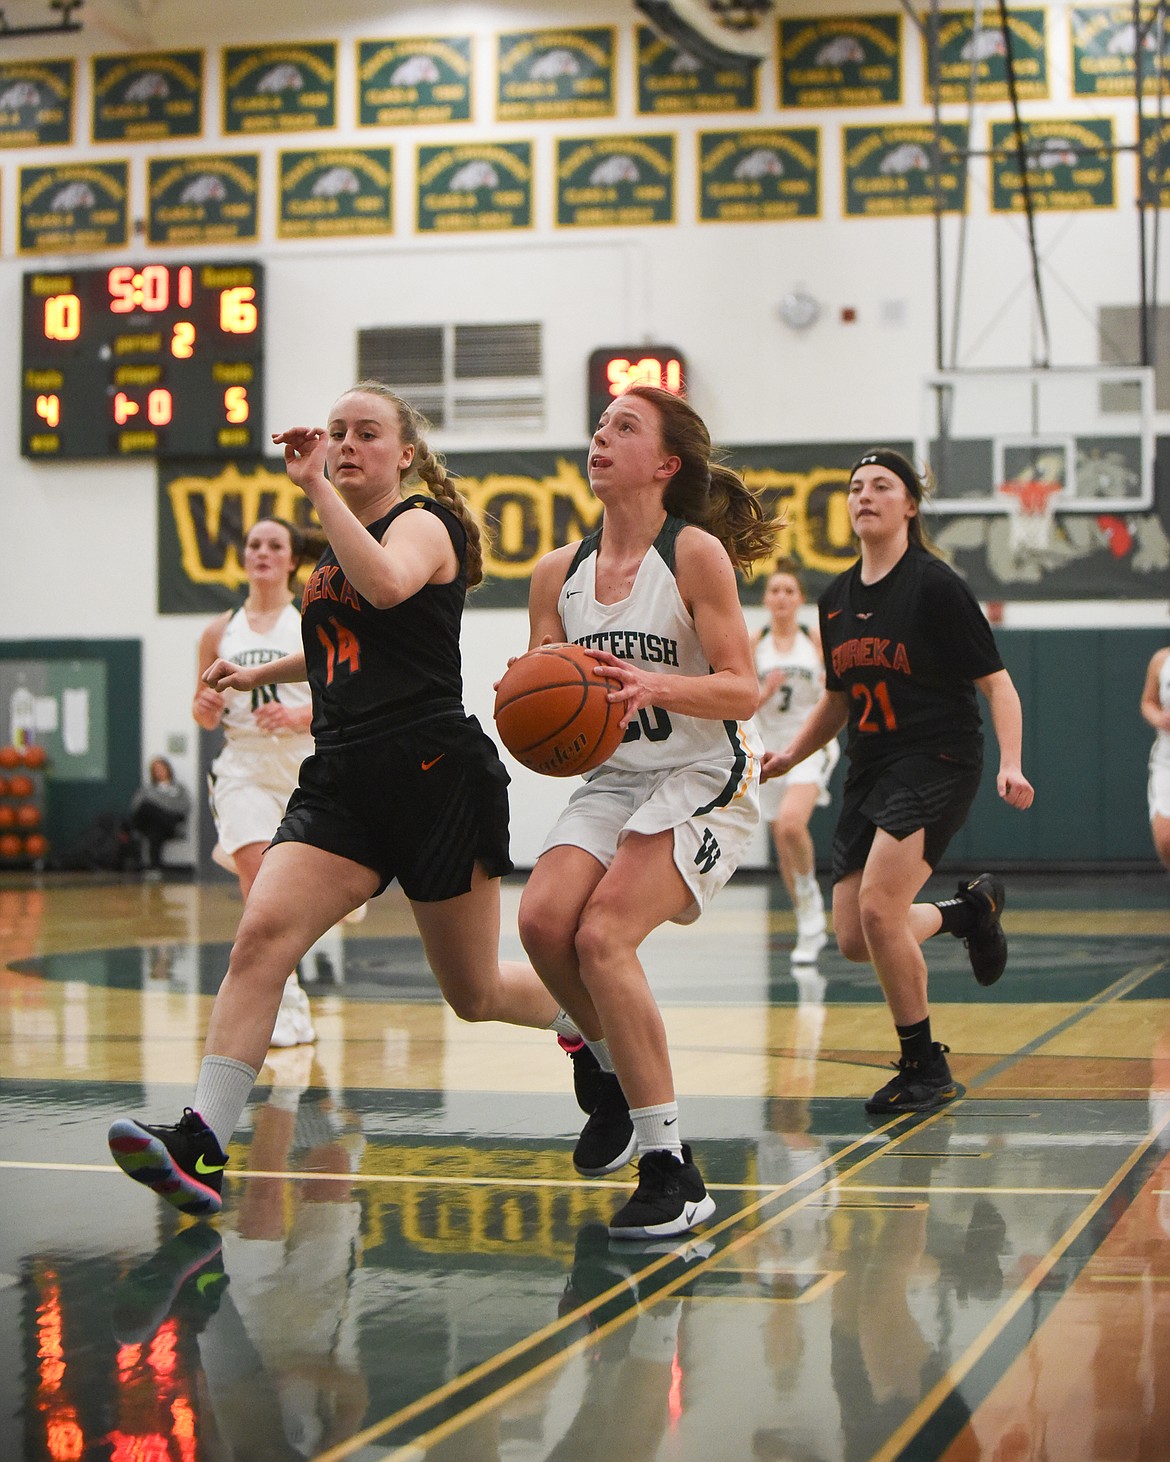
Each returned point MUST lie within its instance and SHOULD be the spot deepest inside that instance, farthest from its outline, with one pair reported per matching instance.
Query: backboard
(1074, 439)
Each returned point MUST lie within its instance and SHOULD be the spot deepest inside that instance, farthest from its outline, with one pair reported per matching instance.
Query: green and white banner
(760, 173)
(545, 75)
(474, 187)
(410, 81)
(335, 192)
(615, 182)
(841, 61)
(139, 98)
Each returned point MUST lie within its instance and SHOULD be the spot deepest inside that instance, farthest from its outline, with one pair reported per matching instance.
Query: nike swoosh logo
(670, 1121)
(206, 1281)
(571, 592)
(689, 1212)
(427, 765)
(832, 614)
(203, 1168)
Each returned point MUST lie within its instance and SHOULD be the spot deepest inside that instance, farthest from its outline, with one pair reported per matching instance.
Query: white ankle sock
(601, 1050)
(564, 1025)
(656, 1128)
(222, 1094)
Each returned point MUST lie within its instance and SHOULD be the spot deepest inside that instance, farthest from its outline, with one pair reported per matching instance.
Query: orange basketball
(34, 757)
(20, 786)
(9, 756)
(36, 845)
(554, 714)
(11, 846)
(3, 786)
(29, 815)
(7, 816)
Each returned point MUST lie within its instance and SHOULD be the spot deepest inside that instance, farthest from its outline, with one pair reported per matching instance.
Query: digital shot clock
(614, 369)
(143, 360)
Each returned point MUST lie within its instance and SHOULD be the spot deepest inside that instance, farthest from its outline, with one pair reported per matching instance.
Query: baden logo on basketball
(554, 714)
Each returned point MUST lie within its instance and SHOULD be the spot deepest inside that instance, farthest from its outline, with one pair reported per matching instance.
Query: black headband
(894, 463)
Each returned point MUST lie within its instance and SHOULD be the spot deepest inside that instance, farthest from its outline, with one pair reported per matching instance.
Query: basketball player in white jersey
(1156, 710)
(655, 832)
(266, 730)
(792, 676)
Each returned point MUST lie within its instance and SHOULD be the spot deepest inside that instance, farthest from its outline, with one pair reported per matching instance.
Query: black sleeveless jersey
(374, 671)
(905, 651)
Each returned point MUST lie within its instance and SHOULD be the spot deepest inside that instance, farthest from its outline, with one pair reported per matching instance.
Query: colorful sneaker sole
(146, 1159)
(693, 1213)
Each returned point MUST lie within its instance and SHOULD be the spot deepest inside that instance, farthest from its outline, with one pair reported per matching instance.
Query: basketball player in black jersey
(403, 785)
(906, 646)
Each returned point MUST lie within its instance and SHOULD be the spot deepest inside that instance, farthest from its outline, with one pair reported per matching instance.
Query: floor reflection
(407, 1265)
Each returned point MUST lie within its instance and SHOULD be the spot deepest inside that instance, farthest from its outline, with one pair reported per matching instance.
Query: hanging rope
(1025, 185)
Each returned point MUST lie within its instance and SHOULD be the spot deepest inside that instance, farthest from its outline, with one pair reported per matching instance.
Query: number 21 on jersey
(876, 706)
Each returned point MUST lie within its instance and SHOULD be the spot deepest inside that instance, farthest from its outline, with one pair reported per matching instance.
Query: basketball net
(1031, 511)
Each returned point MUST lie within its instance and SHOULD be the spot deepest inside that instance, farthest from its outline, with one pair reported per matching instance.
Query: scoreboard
(143, 360)
(616, 368)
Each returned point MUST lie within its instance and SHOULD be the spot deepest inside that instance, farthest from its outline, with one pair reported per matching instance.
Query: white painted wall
(80, 538)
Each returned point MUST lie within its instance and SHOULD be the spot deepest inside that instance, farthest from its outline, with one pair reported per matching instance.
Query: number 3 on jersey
(341, 648)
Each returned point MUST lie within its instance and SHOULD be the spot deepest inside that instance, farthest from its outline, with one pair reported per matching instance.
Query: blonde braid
(433, 472)
(430, 467)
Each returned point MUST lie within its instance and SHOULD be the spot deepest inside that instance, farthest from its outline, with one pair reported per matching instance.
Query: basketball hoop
(1031, 511)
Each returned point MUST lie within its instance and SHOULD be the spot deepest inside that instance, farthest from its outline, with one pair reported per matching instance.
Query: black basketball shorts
(920, 791)
(422, 806)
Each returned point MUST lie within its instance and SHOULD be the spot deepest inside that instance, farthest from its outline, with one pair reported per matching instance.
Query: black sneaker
(986, 943)
(918, 1086)
(183, 1164)
(185, 1276)
(588, 1088)
(607, 1140)
(670, 1199)
(595, 1272)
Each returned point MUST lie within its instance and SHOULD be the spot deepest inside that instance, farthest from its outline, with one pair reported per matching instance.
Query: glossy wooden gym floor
(407, 1266)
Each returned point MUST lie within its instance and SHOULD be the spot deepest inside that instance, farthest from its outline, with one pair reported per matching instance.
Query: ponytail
(704, 493)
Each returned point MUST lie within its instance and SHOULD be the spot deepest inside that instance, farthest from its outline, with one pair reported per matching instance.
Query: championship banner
(548, 75)
(534, 501)
(288, 88)
(73, 207)
(140, 98)
(671, 81)
(963, 51)
(1155, 162)
(889, 171)
(1070, 165)
(335, 192)
(760, 174)
(36, 103)
(211, 199)
(475, 187)
(1104, 44)
(412, 81)
(614, 182)
(841, 61)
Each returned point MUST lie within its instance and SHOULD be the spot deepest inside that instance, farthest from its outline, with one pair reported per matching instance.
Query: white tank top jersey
(652, 629)
(1160, 753)
(785, 711)
(243, 646)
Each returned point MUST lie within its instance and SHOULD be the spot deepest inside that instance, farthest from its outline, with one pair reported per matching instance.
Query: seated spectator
(158, 811)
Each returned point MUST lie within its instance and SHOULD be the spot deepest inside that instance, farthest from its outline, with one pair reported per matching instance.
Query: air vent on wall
(461, 376)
